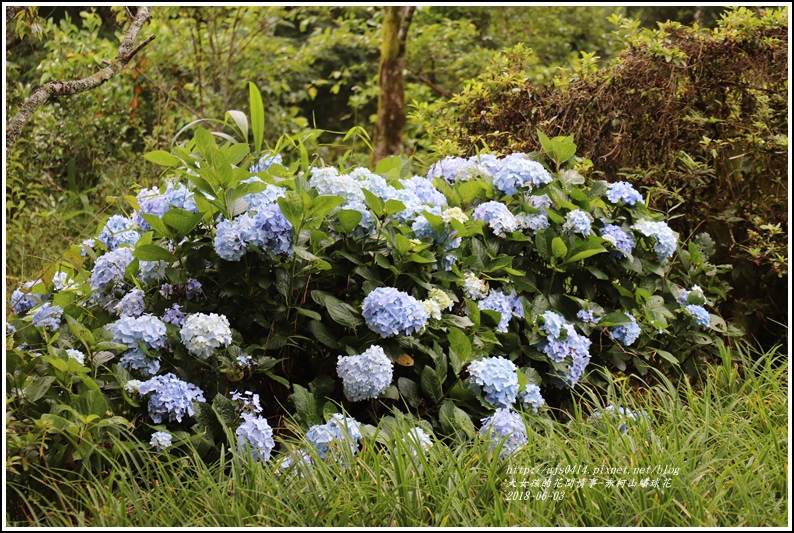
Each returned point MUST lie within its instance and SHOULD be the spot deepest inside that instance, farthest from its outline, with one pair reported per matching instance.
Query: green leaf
(455, 421)
(473, 311)
(374, 203)
(431, 385)
(305, 405)
(615, 318)
(156, 223)
(38, 388)
(182, 221)
(470, 190)
(667, 356)
(257, 116)
(558, 248)
(390, 166)
(80, 331)
(402, 243)
(545, 142)
(309, 313)
(349, 218)
(583, 251)
(322, 205)
(162, 158)
(291, 205)
(241, 120)
(460, 344)
(342, 313)
(237, 152)
(392, 207)
(224, 409)
(152, 252)
(410, 391)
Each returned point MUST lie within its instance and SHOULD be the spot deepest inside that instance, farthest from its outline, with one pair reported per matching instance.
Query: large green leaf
(257, 116)
(583, 251)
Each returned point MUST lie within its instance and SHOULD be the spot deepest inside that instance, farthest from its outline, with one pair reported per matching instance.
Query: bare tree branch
(127, 51)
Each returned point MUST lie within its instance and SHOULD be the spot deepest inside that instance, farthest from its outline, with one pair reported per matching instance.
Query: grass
(726, 440)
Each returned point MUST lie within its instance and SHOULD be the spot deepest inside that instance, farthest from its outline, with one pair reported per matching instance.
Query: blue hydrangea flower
(497, 216)
(174, 316)
(693, 296)
(373, 183)
(328, 182)
(132, 304)
(666, 239)
(293, 459)
(328, 438)
(552, 323)
(365, 376)
(366, 226)
(265, 162)
(487, 162)
(505, 426)
(249, 402)
(623, 191)
(534, 223)
(388, 312)
(577, 221)
(574, 345)
(423, 188)
(203, 334)
(193, 290)
(108, 273)
(61, 281)
(417, 440)
(495, 379)
(257, 201)
(255, 435)
(627, 333)
(540, 202)
(621, 414)
(229, 242)
(180, 197)
(413, 205)
(587, 317)
(423, 230)
(151, 271)
(140, 364)
(447, 168)
(119, 230)
(270, 230)
(150, 202)
(620, 239)
(23, 300)
(502, 303)
(146, 328)
(531, 397)
(77, 355)
(47, 316)
(10, 329)
(700, 315)
(160, 440)
(516, 172)
(579, 361)
(682, 296)
(171, 399)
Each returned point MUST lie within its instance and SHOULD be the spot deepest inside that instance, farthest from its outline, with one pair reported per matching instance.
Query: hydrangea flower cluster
(388, 312)
(417, 440)
(61, 281)
(622, 414)
(508, 426)
(516, 171)
(47, 316)
(446, 168)
(552, 324)
(574, 345)
(473, 287)
(23, 300)
(365, 376)
(507, 305)
(193, 290)
(495, 379)
(249, 402)
(132, 304)
(621, 240)
(151, 271)
(160, 440)
(578, 221)
(146, 328)
(699, 313)
(497, 216)
(693, 296)
(328, 182)
(436, 302)
(533, 223)
(328, 438)
(424, 190)
(268, 229)
(256, 201)
(77, 355)
(152, 202)
(265, 162)
(119, 230)
(666, 239)
(531, 396)
(203, 334)
(135, 360)
(623, 191)
(108, 274)
(255, 436)
(587, 317)
(171, 399)
(174, 316)
(626, 334)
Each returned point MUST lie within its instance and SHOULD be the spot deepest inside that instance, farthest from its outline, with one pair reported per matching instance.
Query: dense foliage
(247, 287)
(697, 117)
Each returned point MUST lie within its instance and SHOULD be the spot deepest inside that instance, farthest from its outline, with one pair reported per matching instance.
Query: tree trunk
(391, 100)
(127, 51)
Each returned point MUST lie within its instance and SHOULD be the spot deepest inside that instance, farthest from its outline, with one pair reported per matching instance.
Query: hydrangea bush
(488, 287)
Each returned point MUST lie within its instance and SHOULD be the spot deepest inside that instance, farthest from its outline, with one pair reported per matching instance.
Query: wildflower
(497, 216)
(388, 311)
(495, 379)
(160, 440)
(623, 191)
(365, 376)
(627, 333)
(203, 334)
(505, 425)
(47, 316)
(255, 435)
(171, 399)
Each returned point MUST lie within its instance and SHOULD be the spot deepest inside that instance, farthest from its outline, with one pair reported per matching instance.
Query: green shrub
(696, 117)
(491, 284)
